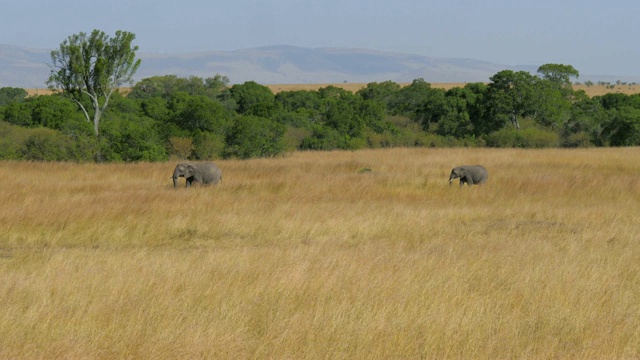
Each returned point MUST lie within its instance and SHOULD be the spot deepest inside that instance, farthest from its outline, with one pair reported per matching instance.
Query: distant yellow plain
(593, 90)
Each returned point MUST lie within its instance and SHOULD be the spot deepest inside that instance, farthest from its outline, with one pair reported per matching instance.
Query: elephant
(205, 173)
(470, 174)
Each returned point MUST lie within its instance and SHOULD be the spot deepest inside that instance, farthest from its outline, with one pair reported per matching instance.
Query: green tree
(456, 119)
(550, 104)
(129, 138)
(18, 113)
(383, 92)
(199, 113)
(510, 95)
(585, 124)
(11, 94)
(410, 99)
(299, 99)
(90, 68)
(165, 86)
(623, 128)
(252, 98)
(558, 74)
(253, 136)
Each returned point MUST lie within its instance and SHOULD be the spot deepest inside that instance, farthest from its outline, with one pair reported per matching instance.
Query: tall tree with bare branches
(89, 69)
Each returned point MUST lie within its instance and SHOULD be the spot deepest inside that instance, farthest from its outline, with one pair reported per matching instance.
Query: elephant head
(470, 174)
(456, 173)
(185, 170)
(204, 173)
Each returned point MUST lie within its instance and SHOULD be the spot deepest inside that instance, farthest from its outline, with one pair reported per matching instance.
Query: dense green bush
(42, 144)
(208, 146)
(11, 94)
(131, 138)
(12, 139)
(253, 136)
(51, 145)
(525, 138)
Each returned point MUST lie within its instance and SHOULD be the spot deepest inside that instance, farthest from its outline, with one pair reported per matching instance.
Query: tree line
(165, 117)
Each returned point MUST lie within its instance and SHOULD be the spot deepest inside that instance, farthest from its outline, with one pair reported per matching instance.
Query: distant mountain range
(27, 67)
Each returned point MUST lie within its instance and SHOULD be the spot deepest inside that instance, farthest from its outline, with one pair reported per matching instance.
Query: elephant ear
(190, 171)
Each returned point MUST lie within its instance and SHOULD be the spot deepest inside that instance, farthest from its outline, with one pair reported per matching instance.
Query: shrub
(41, 144)
(537, 138)
(503, 138)
(207, 146)
(323, 138)
(293, 137)
(253, 136)
(12, 138)
(525, 138)
(12, 94)
(580, 139)
(181, 147)
(51, 145)
(131, 139)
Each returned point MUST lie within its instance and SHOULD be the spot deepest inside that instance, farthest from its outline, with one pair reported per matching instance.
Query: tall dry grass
(311, 256)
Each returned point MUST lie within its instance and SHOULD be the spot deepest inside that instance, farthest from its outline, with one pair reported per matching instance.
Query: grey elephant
(204, 173)
(470, 174)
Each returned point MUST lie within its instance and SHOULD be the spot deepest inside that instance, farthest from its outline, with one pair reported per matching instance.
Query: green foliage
(169, 117)
(12, 139)
(558, 74)
(197, 113)
(51, 145)
(409, 100)
(324, 138)
(291, 101)
(11, 94)
(253, 136)
(93, 67)
(41, 144)
(18, 113)
(510, 96)
(51, 111)
(587, 118)
(131, 138)
(165, 86)
(207, 146)
(528, 137)
(623, 129)
(293, 137)
(253, 99)
(383, 92)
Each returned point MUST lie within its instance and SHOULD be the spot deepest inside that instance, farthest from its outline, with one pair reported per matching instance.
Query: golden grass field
(313, 256)
(594, 90)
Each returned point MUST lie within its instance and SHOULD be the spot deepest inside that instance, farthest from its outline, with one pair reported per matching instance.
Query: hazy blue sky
(594, 36)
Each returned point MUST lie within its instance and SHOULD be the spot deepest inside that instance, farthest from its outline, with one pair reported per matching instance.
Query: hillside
(27, 68)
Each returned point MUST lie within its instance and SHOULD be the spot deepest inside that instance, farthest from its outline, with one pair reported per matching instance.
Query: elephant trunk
(175, 179)
(451, 178)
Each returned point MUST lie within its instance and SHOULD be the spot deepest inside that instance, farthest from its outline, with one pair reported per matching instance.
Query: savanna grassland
(593, 90)
(325, 255)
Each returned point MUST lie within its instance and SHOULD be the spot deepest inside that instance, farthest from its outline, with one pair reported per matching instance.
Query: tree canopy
(89, 68)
